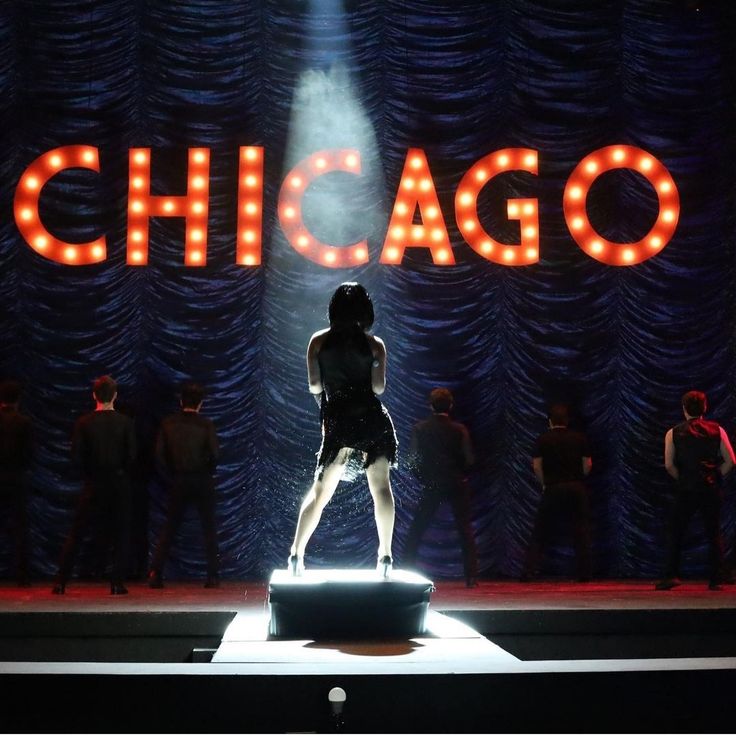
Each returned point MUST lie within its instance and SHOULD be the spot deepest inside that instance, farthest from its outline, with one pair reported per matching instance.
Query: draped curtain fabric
(458, 79)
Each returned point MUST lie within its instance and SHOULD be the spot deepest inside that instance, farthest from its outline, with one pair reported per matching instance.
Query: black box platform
(335, 604)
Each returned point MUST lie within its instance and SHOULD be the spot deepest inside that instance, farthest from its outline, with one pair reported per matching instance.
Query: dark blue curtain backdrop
(458, 78)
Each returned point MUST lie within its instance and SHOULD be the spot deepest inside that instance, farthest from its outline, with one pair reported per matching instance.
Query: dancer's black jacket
(187, 451)
(104, 449)
(441, 453)
(16, 455)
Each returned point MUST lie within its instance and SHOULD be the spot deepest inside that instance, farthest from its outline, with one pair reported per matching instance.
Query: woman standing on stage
(347, 367)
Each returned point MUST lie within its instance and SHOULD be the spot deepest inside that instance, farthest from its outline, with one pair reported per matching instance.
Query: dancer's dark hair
(441, 400)
(559, 415)
(10, 392)
(694, 403)
(104, 389)
(192, 395)
(351, 304)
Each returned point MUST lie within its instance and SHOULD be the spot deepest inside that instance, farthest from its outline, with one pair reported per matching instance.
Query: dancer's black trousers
(197, 489)
(108, 498)
(571, 500)
(707, 500)
(13, 510)
(458, 495)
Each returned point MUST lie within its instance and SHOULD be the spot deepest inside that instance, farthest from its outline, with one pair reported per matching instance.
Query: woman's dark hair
(351, 304)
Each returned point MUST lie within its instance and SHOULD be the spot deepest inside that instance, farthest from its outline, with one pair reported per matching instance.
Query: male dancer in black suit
(16, 453)
(441, 453)
(104, 449)
(561, 460)
(697, 454)
(187, 451)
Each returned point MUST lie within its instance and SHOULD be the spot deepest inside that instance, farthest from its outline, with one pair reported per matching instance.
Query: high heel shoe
(296, 566)
(118, 589)
(384, 566)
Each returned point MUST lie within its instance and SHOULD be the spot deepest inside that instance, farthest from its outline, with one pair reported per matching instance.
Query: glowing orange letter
(416, 189)
(193, 206)
(576, 216)
(25, 207)
(290, 209)
(524, 210)
(250, 206)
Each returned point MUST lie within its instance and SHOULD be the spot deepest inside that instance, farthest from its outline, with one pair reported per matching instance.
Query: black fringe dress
(351, 414)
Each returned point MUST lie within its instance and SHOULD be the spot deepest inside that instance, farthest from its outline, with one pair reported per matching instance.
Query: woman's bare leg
(314, 503)
(383, 501)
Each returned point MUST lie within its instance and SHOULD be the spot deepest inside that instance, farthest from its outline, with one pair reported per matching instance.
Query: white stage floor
(449, 647)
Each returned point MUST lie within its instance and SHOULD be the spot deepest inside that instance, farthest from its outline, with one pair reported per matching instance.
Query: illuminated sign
(524, 210)
(576, 215)
(416, 190)
(416, 195)
(290, 209)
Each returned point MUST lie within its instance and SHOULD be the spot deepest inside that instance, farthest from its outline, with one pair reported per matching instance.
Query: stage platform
(547, 656)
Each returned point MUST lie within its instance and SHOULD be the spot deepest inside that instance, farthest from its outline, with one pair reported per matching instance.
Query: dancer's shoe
(118, 589)
(59, 587)
(213, 581)
(667, 584)
(295, 566)
(155, 580)
(384, 566)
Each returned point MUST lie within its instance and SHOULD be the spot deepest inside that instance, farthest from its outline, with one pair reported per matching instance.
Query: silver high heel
(384, 566)
(295, 566)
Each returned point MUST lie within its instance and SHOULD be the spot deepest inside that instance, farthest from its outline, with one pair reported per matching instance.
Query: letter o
(576, 215)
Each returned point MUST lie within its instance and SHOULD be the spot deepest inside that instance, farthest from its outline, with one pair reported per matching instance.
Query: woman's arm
(378, 369)
(314, 375)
